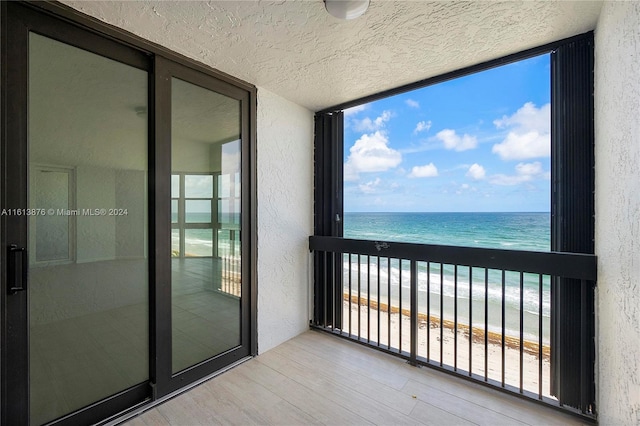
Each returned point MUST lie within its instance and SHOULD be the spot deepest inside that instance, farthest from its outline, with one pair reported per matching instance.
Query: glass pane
(175, 243)
(224, 185)
(88, 307)
(52, 231)
(224, 213)
(198, 211)
(175, 186)
(198, 186)
(205, 286)
(198, 242)
(174, 211)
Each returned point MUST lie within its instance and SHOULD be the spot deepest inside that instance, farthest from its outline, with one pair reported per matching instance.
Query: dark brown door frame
(71, 27)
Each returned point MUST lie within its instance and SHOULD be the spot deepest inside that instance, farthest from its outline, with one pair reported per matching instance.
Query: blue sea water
(199, 242)
(516, 231)
(513, 231)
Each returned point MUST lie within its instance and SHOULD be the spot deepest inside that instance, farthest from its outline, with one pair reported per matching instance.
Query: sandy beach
(397, 327)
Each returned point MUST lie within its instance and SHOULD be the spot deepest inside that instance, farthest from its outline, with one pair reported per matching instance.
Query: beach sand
(397, 326)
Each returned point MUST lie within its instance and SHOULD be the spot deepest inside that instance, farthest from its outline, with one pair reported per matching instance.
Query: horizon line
(448, 212)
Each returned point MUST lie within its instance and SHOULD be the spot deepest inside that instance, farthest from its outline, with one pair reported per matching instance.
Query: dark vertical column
(572, 219)
(328, 211)
(14, 354)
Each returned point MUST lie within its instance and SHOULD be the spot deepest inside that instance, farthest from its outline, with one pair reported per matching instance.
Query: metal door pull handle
(12, 267)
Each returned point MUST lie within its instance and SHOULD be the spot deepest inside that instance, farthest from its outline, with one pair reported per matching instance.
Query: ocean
(199, 242)
(513, 231)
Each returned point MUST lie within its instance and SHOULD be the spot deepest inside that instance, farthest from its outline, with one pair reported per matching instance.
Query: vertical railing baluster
(349, 304)
(359, 293)
(428, 311)
(521, 328)
(584, 347)
(503, 323)
(378, 298)
(486, 324)
(389, 303)
(324, 290)
(400, 306)
(540, 336)
(470, 319)
(332, 280)
(441, 312)
(368, 299)
(413, 306)
(455, 317)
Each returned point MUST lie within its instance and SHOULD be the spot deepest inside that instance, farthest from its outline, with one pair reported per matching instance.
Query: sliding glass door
(207, 142)
(125, 226)
(88, 280)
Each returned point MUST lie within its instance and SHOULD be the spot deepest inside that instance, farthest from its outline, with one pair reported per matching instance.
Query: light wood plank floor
(316, 378)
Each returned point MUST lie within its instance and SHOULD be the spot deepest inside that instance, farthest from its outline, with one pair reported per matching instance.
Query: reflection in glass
(175, 186)
(88, 306)
(198, 186)
(206, 279)
(174, 211)
(198, 211)
(198, 242)
(53, 232)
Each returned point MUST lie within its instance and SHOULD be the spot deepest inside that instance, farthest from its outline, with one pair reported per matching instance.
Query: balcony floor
(316, 378)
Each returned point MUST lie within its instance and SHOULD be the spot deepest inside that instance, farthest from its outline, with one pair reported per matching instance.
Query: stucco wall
(285, 217)
(617, 127)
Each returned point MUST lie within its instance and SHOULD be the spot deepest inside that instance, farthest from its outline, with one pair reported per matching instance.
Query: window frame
(572, 197)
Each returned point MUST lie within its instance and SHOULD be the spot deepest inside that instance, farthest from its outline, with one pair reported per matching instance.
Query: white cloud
(525, 172)
(476, 171)
(370, 153)
(422, 126)
(369, 125)
(354, 110)
(453, 141)
(370, 187)
(412, 103)
(529, 133)
(428, 170)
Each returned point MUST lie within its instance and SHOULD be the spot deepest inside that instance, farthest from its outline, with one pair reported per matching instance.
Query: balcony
(316, 378)
(484, 314)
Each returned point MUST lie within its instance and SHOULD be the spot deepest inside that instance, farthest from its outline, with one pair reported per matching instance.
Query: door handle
(12, 268)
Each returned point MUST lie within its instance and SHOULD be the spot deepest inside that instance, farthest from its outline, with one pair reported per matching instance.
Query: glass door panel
(205, 135)
(88, 284)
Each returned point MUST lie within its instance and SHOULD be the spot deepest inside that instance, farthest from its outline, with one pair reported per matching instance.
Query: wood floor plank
(489, 398)
(334, 389)
(367, 363)
(151, 418)
(317, 378)
(359, 381)
(266, 406)
(430, 415)
(302, 397)
(457, 406)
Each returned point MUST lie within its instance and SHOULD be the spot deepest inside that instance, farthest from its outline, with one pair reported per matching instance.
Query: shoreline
(511, 342)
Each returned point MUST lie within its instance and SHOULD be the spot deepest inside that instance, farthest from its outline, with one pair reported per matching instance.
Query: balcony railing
(480, 313)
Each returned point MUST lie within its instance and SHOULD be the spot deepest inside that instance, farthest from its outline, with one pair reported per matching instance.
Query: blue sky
(480, 143)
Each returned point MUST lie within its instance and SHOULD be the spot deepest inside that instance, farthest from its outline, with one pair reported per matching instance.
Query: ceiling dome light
(346, 9)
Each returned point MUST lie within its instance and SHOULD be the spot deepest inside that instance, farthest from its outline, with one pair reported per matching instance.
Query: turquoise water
(516, 231)
(512, 231)
(199, 242)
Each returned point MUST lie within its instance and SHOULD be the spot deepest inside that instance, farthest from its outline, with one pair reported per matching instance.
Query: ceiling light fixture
(346, 9)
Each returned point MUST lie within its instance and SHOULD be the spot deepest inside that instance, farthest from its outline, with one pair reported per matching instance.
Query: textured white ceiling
(298, 51)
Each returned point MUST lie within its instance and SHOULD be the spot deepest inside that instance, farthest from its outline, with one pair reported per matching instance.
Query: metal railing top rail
(560, 264)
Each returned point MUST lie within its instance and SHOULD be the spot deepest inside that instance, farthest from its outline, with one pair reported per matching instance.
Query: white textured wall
(617, 126)
(285, 217)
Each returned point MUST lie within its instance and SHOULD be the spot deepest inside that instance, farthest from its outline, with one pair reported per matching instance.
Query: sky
(479, 143)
